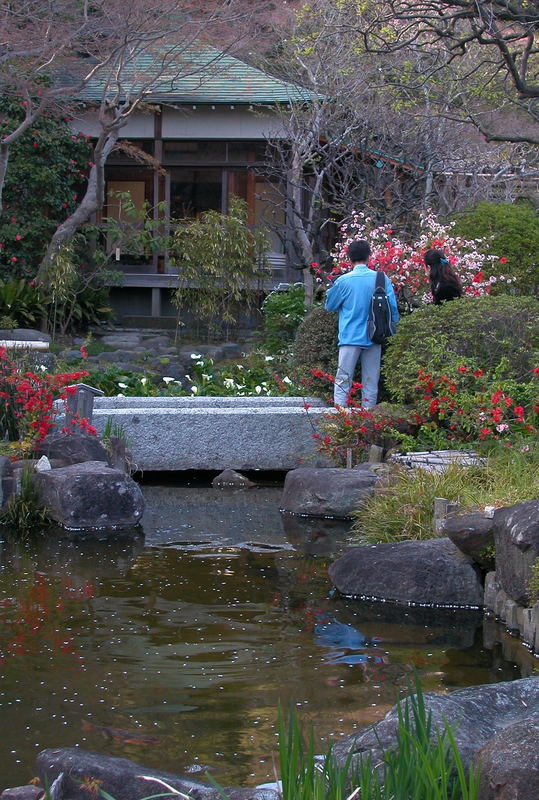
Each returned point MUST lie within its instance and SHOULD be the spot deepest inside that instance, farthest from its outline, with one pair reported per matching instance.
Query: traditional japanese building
(207, 134)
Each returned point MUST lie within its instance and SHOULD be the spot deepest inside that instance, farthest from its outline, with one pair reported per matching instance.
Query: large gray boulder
(516, 535)
(433, 572)
(24, 335)
(73, 447)
(120, 778)
(28, 792)
(327, 492)
(510, 763)
(90, 496)
(472, 534)
(476, 715)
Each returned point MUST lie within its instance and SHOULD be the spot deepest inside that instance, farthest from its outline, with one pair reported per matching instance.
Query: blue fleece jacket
(351, 296)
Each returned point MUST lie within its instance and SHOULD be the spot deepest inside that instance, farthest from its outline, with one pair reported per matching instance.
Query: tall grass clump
(424, 764)
(23, 516)
(402, 505)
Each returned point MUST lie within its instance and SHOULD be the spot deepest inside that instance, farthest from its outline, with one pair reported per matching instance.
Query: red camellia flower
(503, 260)
(519, 412)
(478, 277)
(497, 415)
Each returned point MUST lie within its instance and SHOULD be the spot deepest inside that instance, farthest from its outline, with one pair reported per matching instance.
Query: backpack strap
(380, 282)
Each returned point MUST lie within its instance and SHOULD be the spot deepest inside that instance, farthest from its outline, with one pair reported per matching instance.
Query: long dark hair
(441, 270)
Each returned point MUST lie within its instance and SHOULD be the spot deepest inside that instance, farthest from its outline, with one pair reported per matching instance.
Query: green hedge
(316, 347)
(511, 232)
(482, 331)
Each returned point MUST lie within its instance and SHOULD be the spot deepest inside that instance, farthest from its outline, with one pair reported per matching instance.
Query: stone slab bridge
(214, 433)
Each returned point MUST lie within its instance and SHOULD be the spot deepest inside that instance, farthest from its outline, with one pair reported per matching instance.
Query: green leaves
(220, 259)
(480, 330)
(47, 168)
(512, 230)
(22, 303)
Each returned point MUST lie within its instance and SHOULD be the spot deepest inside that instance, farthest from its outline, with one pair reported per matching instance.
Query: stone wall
(519, 620)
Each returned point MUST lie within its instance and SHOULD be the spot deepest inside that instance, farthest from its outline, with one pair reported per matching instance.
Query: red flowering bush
(478, 332)
(470, 405)
(344, 434)
(27, 403)
(403, 260)
(452, 409)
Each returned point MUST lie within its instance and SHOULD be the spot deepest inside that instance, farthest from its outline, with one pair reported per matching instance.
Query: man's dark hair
(359, 251)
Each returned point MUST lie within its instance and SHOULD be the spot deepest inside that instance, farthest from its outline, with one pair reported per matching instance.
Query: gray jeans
(370, 373)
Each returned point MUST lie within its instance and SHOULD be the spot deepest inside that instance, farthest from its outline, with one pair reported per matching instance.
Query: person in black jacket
(444, 282)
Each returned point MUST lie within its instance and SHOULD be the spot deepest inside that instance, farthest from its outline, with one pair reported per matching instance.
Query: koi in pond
(118, 734)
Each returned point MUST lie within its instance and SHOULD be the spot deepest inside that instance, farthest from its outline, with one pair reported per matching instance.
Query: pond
(176, 646)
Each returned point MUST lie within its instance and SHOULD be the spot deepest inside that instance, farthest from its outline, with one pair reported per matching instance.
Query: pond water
(184, 640)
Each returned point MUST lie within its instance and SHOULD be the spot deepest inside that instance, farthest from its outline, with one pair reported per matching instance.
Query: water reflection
(183, 642)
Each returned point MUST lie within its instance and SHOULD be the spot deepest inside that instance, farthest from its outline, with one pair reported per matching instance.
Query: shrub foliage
(283, 310)
(315, 349)
(48, 166)
(481, 331)
(510, 230)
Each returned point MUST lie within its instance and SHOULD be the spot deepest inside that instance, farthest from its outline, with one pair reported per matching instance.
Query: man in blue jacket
(351, 296)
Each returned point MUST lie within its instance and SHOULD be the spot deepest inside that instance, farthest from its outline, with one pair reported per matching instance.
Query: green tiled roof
(201, 75)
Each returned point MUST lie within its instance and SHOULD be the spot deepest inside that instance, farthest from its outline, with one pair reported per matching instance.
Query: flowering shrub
(452, 409)
(403, 261)
(346, 433)
(27, 407)
(477, 332)
(260, 375)
(470, 405)
(343, 434)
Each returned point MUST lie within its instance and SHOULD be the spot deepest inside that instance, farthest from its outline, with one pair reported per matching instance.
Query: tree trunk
(295, 177)
(93, 200)
(4, 158)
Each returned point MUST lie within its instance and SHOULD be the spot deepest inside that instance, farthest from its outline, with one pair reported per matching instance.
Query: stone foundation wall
(519, 620)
